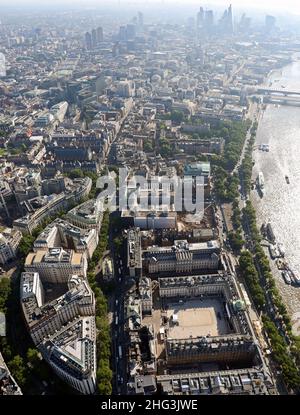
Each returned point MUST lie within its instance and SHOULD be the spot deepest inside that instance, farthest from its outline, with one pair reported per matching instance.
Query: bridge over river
(271, 91)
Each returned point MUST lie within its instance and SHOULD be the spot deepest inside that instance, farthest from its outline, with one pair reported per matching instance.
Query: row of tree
(225, 185)
(104, 373)
(234, 134)
(284, 354)
(246, 167)
(251, 277)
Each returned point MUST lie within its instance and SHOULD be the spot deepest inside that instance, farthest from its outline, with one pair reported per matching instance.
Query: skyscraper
(244, 24)
(200, 17)
(94, 38)
(230, 20)
(122, 33)
(270, 23)
(140, 19)
(88, 40)
(2, 65)
(99, 35)
(209, 20)
(226, 22)
(130, 31)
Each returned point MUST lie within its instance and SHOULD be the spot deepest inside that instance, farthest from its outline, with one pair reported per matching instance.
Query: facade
(182, 258)
(134, 252)
(59, 110)
(71, 352)
(145, 292)
(64, 329)
(43, 319)
(107, 269)
(56, 265)
(237, 382)
(228, 349)
(88, 215)
(61, 233)
(197, 169)
(9, 243)
(191, 147)
(8, 385)
(153, 219)
(42, 207)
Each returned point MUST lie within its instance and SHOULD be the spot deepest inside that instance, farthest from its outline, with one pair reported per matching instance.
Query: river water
(279, 126)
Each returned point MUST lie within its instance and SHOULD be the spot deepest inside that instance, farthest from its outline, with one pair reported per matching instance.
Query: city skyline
(292, 6)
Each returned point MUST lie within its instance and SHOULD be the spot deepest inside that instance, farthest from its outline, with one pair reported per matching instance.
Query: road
(253, 115)
(119, 360)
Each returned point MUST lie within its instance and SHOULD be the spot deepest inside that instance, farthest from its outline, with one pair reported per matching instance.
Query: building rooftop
(73, 348)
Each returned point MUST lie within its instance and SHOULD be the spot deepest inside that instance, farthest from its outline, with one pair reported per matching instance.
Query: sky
(292, 6)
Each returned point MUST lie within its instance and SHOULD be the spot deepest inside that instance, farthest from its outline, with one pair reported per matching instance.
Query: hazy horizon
(290, 6)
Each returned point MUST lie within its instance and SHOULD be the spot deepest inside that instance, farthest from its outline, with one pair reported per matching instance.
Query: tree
(105, 387)
(33, 356)
(18, 369)
(165, 148)
(118, 242)
(26, 245)
(236, 241)
(177, 116)
(148, 147)
(5, 290)
(75, 173)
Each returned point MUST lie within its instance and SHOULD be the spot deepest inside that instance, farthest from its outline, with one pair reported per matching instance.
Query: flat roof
(76, 258)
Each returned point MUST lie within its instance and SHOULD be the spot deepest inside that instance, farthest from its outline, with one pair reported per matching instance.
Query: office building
(56, 265)
(88, 215)
(9, 242)
(182, 257)
(61, 233)
(99, 34)
(45, 318)
(88, 41)
(270, 23)
(134, 252)
(8, 385)
(59, 110)
(94, 38)
(71, 352)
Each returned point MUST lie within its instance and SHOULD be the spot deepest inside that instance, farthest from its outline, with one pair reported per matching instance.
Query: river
(279, 126)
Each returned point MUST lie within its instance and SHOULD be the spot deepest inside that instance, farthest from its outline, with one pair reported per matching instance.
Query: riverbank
(279, 127)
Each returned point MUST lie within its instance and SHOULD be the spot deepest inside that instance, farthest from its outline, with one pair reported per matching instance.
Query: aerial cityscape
(149, 215)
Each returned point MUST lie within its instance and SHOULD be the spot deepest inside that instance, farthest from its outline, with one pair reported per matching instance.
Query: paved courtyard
(197, 318)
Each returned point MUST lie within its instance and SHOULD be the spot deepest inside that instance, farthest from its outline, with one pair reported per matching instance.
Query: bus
(120, 352)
